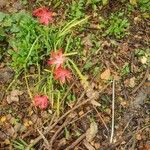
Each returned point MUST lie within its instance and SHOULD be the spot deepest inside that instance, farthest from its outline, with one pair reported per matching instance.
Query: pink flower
(45, 16)
(62, 74)
(41, 101)
(57, 58)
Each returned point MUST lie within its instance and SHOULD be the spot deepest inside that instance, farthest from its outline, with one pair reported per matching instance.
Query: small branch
(113, 112)
(49, 128)
(101, 118)
(58, 131)
(45, 140)
(142, 82)
(75, 143)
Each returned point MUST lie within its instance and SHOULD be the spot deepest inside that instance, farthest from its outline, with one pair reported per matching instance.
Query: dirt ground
(74, 128)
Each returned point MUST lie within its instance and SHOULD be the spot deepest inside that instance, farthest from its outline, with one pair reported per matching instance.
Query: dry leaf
(91, 132)
(87, 41)
(132, 82)
(133, 2)
(14, 96)
(3, 119)
(139, 137)
(97, 145)
(143, 60)
(105, 75)
(95, 103)
(88, 145)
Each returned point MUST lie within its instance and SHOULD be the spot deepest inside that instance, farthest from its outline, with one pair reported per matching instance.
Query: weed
(77, 9)
(143, 56)
(125, 69)
(95, 3)
(116, 25)
(144, 5)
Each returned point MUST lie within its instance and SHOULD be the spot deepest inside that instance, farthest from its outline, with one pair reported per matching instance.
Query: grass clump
(116, 25)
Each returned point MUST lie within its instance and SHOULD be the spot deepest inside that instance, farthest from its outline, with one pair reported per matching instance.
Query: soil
(19, 119)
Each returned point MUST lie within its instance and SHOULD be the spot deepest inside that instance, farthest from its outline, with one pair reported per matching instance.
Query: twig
(123, 138)
(127, 125)
(75, 120)
(142, 82)
(49, 128)
(101, 118)
(52, 126)
(113, 112)
(75, 143)
(45, 140)
(58, 131)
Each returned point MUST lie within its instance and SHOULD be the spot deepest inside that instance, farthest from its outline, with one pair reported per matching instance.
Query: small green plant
(96, 3)
(20, 144)
(144, 5)
(77, 9)
(30, 42)
(125, 70)
(143, 56)
(116, 25)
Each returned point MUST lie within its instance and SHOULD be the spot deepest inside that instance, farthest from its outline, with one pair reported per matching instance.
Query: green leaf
(2, 16)
(105, 2)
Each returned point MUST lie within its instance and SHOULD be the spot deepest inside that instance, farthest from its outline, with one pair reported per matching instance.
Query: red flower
(62, 74)
(45, 16)
(41, 101)
(57, 58)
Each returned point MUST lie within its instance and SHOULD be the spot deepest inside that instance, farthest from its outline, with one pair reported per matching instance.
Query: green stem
(31, 49)
(70, 54)
(77, 70)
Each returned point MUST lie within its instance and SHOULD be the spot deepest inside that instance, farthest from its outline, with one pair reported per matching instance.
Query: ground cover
(74, 75)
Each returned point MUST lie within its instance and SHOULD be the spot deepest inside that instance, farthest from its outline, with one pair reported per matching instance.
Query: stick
(113, 112)
(45, 140)
(49, 128)
(75, 143)
(101, 118)
(142, 82)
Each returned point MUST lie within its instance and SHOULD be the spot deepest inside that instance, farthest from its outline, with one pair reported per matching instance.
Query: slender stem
(31, 49)
(77, 70)
(27, 84)
(70, 54)
(113, 112)
(15, 78)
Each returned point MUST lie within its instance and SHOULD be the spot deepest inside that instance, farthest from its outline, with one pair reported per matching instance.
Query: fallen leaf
(105, 75)
(14, 96)
(88, 145)
(6, 75)
(95, 103)
(3, 119)
(91, 132)
(81, 113)
(97, 145)
(138, 137)
(132, 82)
(143, 60)
(7, 141)
(87, 41)
(133, 2)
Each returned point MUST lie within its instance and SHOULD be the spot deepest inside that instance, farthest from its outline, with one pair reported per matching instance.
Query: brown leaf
(14, 96)
(6, 74)
(133, 2)
(87, 41)
(95, 103)
(91, 132)
(105, 75)
(132, 82)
